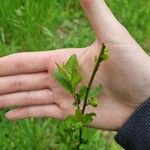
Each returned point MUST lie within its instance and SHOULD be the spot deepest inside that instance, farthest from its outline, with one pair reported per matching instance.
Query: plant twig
(99, 60)
(96, 67)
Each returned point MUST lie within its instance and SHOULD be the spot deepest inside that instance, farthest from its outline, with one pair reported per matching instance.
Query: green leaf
(62, 80)
(105, 55)
(78, 115)
(63, 72)
(75, 81)
(74, 122)
(93, 101)
(88, 118)
(85, 141)
(82, 92)
(94, 92)
(72, 63)
(69, 73)
(72, 69)
(78, 125)
(70, 121)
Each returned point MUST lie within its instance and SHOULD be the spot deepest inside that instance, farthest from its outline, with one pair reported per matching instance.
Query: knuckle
(26, 112)
(17, 84)
(48, 94)
(30, 98)
(46, 79)
(50, 97)
(18, 63)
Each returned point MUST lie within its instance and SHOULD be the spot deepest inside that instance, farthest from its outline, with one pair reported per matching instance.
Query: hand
(125, 77)
(27, 80)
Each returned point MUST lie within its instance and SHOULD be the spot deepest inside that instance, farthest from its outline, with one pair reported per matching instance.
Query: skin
(27, 80)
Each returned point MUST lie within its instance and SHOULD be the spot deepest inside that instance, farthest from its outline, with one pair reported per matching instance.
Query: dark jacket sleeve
(135, 133)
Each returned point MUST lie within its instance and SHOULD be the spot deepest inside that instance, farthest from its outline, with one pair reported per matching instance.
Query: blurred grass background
(35, 25)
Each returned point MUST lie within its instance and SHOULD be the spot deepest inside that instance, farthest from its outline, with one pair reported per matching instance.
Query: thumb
(106, 26)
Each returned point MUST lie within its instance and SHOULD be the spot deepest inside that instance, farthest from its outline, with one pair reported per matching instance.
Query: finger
(24, 82)
(36, 111)
(28, 98)
(24, 63)
(106, 26)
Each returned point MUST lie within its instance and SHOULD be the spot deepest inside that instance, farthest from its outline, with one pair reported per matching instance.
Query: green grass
(35, 25)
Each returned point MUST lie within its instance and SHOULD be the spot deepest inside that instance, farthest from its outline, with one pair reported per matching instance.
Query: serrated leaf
(69, 73)
(61, 69)
(72, 68)
(75, 81)
(78, 120)
(94, 92)
(78, 115)
(72, 63)
(92, 114)
(63, 72)
(74, 122)
(65, 83)
(82, 92)
(88, 118)
(70, 121)
(78, 125)
(93, 101)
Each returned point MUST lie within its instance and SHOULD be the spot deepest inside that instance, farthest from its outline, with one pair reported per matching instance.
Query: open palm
(27, 80)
